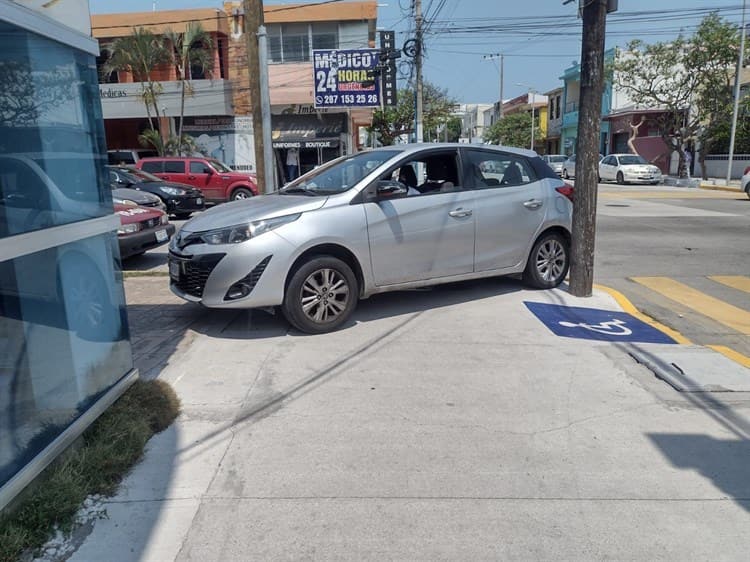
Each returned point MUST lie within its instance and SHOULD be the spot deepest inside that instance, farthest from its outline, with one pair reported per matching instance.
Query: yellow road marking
(724, 313)
(665, 195)
(735, 356)
(739, 282)
(628, 307)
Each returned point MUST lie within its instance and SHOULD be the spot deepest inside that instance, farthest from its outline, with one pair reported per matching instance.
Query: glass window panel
(174, 167)
(325, 35)
(274, 43)
(153, 166)
(51, 135)
(295, 43)
(63, 342)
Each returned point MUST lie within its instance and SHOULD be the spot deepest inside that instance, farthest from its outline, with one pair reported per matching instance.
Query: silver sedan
(382, 220)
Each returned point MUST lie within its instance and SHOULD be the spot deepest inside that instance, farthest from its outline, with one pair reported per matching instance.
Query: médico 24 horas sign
(346, 78)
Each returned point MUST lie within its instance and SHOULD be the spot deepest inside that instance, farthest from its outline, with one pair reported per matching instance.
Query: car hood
(253, 209)
(129, 214)
(140, 197)
(189, 189)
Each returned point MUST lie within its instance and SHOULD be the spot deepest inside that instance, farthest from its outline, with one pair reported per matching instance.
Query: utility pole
(418, 63)
(502, 66)
(532, 95)
(737, 83)
(253, 21)
(265, 110)
(594, 14)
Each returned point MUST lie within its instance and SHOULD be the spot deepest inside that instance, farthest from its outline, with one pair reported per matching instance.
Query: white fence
(716, 165)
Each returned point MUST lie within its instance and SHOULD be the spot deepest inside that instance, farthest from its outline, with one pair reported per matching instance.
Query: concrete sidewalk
(446, 424)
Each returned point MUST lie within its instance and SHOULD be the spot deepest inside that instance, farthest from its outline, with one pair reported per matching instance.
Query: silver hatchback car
(393, 218)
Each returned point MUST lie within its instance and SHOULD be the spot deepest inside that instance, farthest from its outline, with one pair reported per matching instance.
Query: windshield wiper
(303, 190)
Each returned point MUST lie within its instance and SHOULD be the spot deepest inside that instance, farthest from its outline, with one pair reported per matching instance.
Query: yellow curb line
(712, 187)
(735, 356)
(630, 308)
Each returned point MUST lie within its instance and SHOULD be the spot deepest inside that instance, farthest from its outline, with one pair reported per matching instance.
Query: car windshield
(220, 166)
(339, 175)
(632, 159)
(556, 158)
(138, 175)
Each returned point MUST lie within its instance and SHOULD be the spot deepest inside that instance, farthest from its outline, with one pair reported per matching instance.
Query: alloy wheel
(550, 260)
(325, 295)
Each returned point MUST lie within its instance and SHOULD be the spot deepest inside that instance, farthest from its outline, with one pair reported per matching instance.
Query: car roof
(419, 147)
(177, 158)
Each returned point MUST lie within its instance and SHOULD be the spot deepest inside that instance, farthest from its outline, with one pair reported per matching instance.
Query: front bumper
(139, 242)
(641, 178)
(205, 274)
(179, 205)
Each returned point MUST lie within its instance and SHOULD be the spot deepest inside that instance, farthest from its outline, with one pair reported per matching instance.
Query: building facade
(474, 120)
(64, 344)
(554, 120)
(536, 105)
(217, 112)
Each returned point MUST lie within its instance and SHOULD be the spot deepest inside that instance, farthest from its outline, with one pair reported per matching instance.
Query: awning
(307, 131)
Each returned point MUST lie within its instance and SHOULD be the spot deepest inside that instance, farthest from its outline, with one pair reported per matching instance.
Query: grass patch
(109, 449)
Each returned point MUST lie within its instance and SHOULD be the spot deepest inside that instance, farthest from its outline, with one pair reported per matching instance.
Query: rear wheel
(182, 216)
(565, 174)
(321, 295)
(241, 193)
(548, 262)
(620, 178)
(747, 190)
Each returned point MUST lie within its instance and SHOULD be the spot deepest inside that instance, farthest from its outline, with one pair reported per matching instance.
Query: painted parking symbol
(595, 324)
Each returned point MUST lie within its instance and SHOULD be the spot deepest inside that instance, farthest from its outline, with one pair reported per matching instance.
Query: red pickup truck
(217, 181)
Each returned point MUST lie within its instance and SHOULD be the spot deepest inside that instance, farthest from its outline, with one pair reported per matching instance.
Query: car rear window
(174, 167)
(153, 166)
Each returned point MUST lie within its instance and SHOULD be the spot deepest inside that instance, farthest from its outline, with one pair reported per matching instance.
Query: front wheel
(182, 216)
(620, 178)
(565, 174)
(241, 193)
(321, 295)
(548, 262)
(747, 191)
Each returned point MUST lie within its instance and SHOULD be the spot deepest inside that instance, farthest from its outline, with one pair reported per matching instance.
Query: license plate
(162, 236)
(199, 201)
(174, 270)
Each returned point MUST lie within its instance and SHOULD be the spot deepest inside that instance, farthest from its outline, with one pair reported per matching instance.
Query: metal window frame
(38, 23)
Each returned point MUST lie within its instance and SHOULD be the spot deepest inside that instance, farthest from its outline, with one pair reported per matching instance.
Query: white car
(746, 182)
(628, 168)
(569, 167)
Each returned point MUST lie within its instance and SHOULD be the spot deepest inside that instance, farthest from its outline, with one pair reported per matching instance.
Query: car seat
(407, 176)
(437, 175)
(512, 175)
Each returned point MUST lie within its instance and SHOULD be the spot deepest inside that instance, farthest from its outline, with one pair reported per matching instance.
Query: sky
(539, 38)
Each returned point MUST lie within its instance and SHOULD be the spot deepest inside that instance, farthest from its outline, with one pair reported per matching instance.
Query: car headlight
(173, 190)
(243, 232)
(164, 219)
(128, 202)
(129, 228)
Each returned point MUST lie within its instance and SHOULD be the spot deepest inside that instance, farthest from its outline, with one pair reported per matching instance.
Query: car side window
(174, 167)
(198, 168)
(429, 173)
(153, 166)
(489, 169)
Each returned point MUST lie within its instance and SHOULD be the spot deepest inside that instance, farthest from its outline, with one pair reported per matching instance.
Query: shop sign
(110, 93)
(330, 143)
(346, 78)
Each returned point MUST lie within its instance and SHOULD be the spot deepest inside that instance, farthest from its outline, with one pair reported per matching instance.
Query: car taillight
(747, 170)
(566, 190)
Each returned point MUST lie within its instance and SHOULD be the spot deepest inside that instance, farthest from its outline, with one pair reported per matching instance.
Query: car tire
(241, 193)
(548, 262)
(620, 178)
(747, 190)
(182, 216)
(565, 174)
(309, 298)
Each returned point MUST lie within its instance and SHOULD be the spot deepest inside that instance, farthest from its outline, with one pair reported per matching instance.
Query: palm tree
(140, 54)
(190, 49)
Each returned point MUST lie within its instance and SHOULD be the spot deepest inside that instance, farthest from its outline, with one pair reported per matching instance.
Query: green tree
(392, 122)
(188, 50)
(139, 53)
(514, 130)
(690, 78)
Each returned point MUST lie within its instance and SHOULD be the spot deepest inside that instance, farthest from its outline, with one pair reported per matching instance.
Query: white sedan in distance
(628, 168)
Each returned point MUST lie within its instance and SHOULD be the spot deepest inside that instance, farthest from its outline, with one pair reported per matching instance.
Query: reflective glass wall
(63, 327)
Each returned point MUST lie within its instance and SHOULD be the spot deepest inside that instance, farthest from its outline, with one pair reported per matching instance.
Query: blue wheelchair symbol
(595, 324)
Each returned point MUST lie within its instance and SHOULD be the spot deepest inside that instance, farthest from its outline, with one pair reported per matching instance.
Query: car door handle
(532, 204)
(460, 213)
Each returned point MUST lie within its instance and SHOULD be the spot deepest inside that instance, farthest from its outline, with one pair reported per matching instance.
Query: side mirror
(208, 170)
(391, 189)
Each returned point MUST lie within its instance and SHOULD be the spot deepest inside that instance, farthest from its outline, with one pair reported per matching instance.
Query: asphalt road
(673, 252)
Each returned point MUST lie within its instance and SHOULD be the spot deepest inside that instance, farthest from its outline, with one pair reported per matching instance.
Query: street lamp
(532, 96)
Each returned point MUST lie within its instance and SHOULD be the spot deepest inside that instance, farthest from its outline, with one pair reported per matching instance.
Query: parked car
(120, 157)
(569, 166)
(215, 179)
(141, 229)
(352, 228)
(133, 197)
(628, 168)
(556, 162)
(745, 182)
(180, 200)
